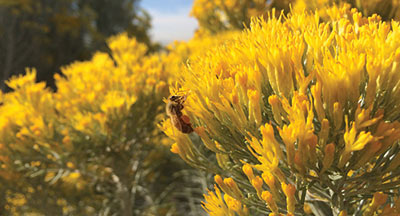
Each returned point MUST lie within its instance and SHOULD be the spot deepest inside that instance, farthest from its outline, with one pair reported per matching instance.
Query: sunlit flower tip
(214, 204)
(289, 138)
(362, 139)
(22, 80)
(233, 187)
(289, 190)
(267, 131)
(324, 133)
(218, 179)
(257, 183)
(267, 197)
(248, 171)
(343, 213)
(232, 203)
(337, 115)
(175, 148)
(275, 103)
(269, 179)
(254, 105)
(353, 143)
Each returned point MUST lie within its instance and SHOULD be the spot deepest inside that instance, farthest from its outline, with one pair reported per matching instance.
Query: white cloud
(167, 26)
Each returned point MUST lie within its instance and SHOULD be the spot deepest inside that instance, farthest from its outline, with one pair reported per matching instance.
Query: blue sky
(170, 19)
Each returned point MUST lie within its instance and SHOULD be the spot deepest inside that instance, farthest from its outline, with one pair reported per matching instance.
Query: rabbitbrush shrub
(297, 115)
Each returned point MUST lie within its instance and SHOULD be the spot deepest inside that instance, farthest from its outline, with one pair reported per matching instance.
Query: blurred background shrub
(47, 34)
(93, 146)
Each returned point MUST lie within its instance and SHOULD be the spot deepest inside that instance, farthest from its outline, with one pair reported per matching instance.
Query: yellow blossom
(267, 197)
(215, 205)
(353, 142)
(289, 191)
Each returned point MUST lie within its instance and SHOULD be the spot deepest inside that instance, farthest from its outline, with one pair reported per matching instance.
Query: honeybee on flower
(174, 111)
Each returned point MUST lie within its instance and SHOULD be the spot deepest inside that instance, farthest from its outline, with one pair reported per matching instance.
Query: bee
(174, 111)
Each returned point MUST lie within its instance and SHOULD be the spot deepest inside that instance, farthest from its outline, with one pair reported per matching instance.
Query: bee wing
(186, 127)
(185, 119)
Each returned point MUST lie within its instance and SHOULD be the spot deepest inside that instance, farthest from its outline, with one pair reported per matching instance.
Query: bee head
(175, 98)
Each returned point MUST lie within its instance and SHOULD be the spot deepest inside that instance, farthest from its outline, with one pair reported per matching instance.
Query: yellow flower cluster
(68, 137)
(219, 15)
(309, 108)
(103, 110)
(89, 95)
(216, 205)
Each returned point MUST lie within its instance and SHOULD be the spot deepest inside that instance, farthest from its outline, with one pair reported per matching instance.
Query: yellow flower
(23, 81)
(214, 204)
(116, 103)
(289, 191)
(267, 197)
(269, 179)
(126, 50)
(254, 106)
(266, 154)
(233, 188)
(248, 170)
(175, 148)
(236, 206)
(353, 142)
(257, 183)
